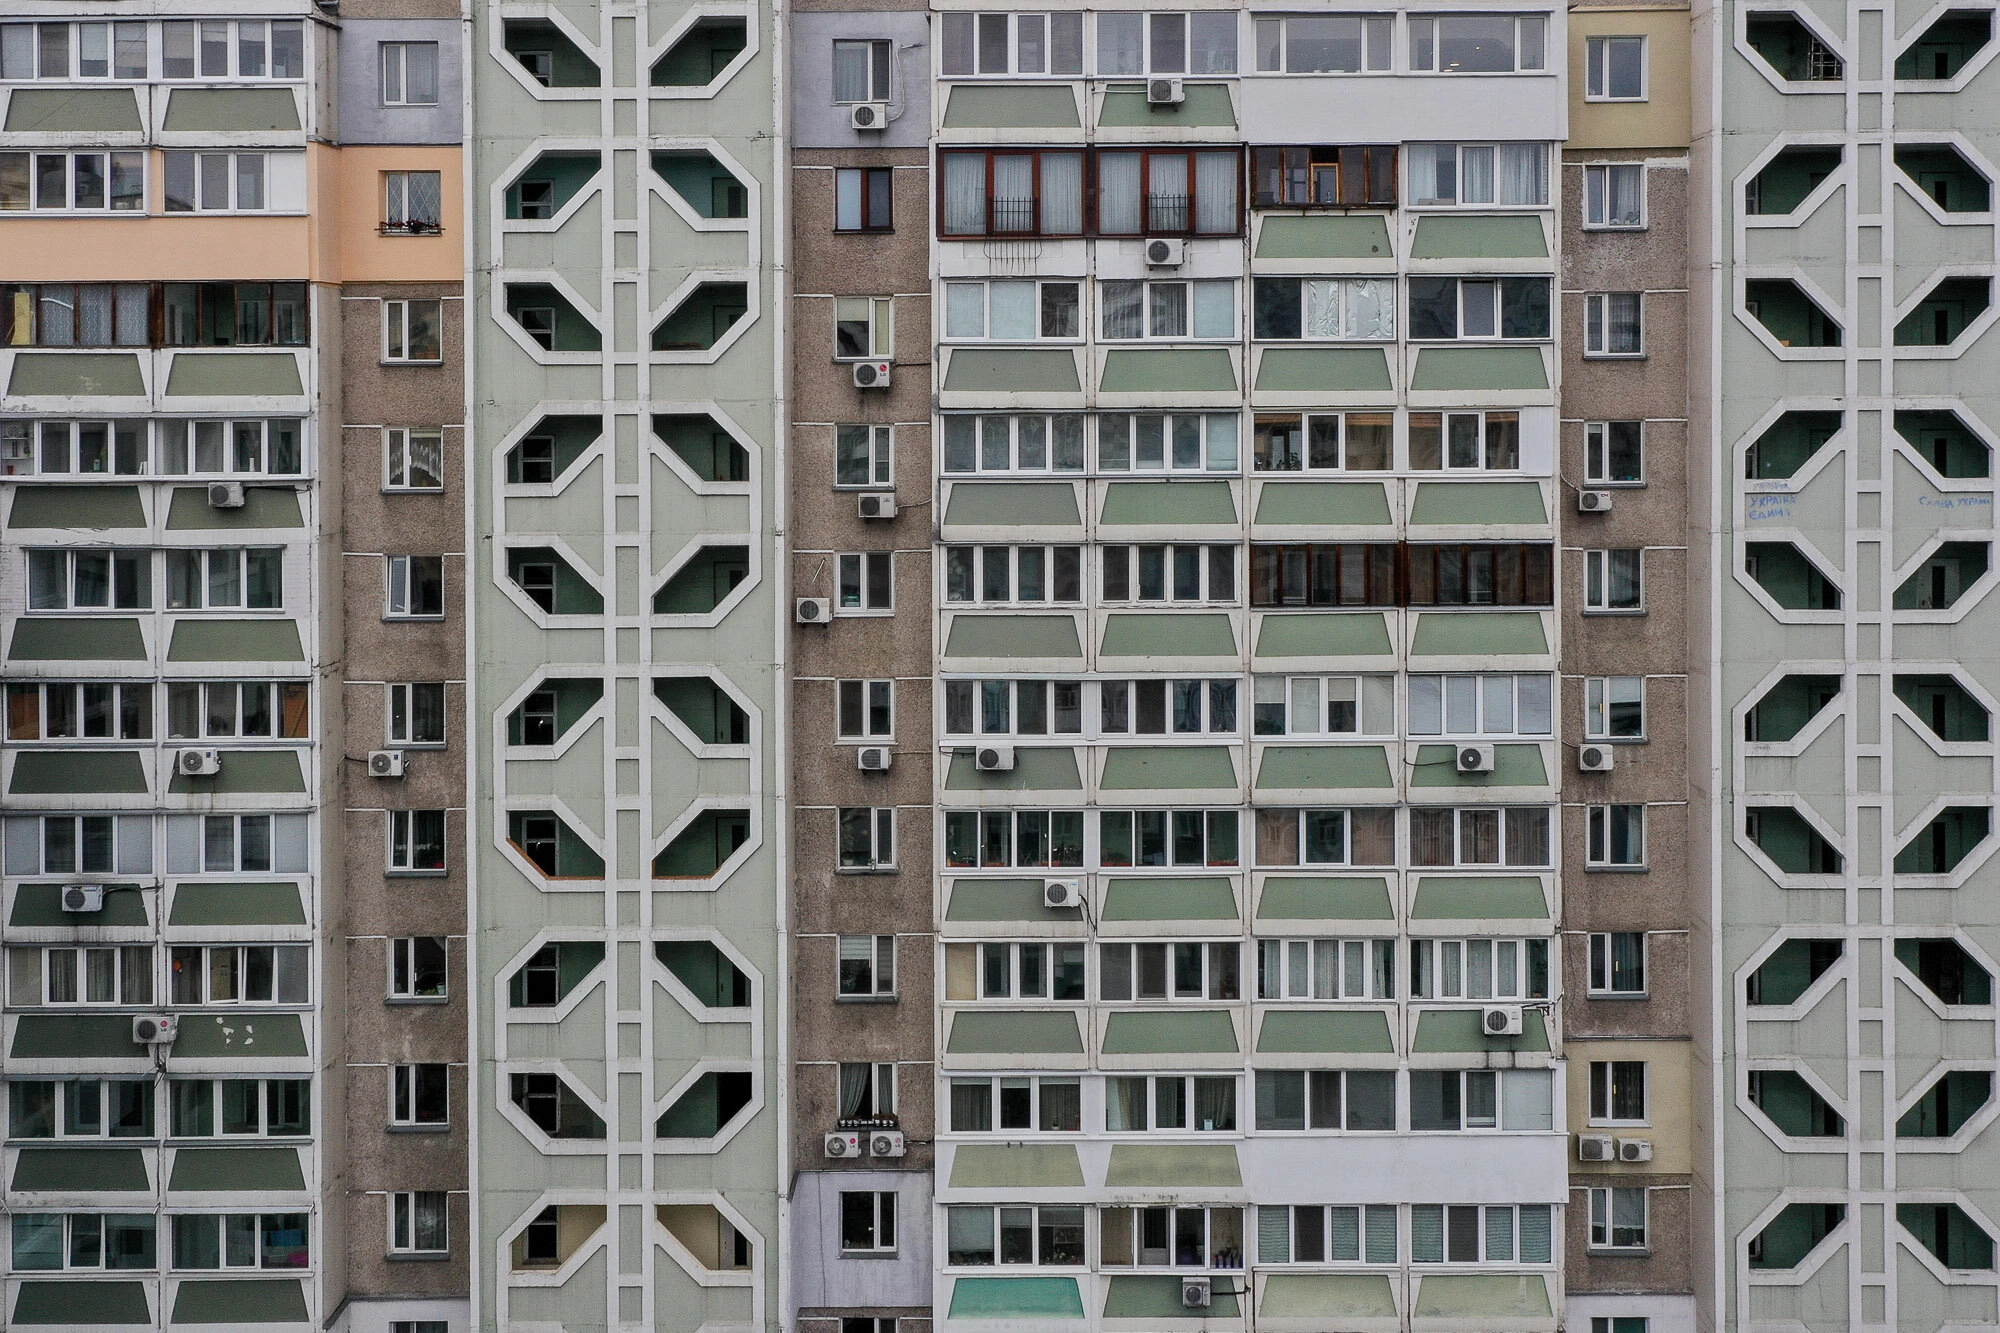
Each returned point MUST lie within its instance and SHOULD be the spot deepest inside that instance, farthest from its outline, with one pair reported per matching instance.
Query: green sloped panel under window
(1488, 369)
(77, 773)
(1168, 634)
(1201, 898)
(1013, 636)
(1015, 1298)
(237, 905)
(1003, 900)
(1023, 107)
(1024, 1032)
(75, 1037)
(77, 639)
(41, 905)
(72, 111)
(1506, 237)
(75, 374)
(1513, 766)
(1322, 634)
(246, 771)
(263, 507)
(239, 374)
(210, 1169)
(1324, 898)
(1479, 633)
(1126, 107)
(263, 1037)
(1482, 1296)
(1323, 236)
(236, 641)
(1457, 1032)
(73, 1303)
(91, 507)
(1323, 370)
(1323, 1031)
(1200, 1032)
(1328, 1296)
(1160, 503)
(1290, 767)
(1036, 769)
(1010, 369)
(976, 1166)
(1183, 370)
(1160, 1298)
(1167, 768)
(225, 110)
(1480, 898)
(113, 1169)
(1478, 502)
(1173, 1165)
(1004, 503)
(1324, 503)
(243, 1301)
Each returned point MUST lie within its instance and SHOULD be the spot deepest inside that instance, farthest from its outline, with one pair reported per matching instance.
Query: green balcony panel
(1168, 634)
(1013, 636)
(73, 111)
(1157, 1298)
(1011, 369)
(236, 641)
(1457, 1032)
(1329, 369)
(210, 1169)
(1360, 236)
(263, 507)
(1194, 898)
(78, 773)
(1024, 1032)
(1479, 634)
(1484, 369)
(1482, 1296)
(1011, 503)
(248, 771)
(72, 1169)
(1171, 1166)
(1325, 1032)
(1513, 766)
(1182, 370)
(75, 374)
(224, 374)
(1015, 1297)
(77, 639)
(1324, 503)
(41, 905)
(73, 1303)
(1004, 900)
(243, 1301)
(1480, 898)
(1036, 769)
(228, 110)
(1203, 1031)
(239, 1036)
(1324, 898)
(75, 1037)
(1291, 767)
(1167, 768)
(91, 507)
(1328, 1296)
(237, 905)
(1024, 107)
(1320, 634)
(986, 1166)
(1130, 503)
(1478, 502)
(1441, 237)
(1125, 107)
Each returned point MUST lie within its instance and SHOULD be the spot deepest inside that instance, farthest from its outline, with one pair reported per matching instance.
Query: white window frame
(1602, 694)
(396, 219)
(981, 559)
(1302, 969)
(403, 1222)
(1219, 451)
(1206, 959)
(1597, 453)
(1443, 968)
(874, 54)
(976, 696)
(1376, 41)
(1597, 68)
(1603, 1102)
(1447, 689)
(1315, 694)
(1149, 42)
(113, 168)
(1598, 838)
(881, 827)
(274, 173)
(1138, 555)
(872, 574)
(1487, 440)
(868, 697)
(996, 1084)
(63, 1117)
(1601, 974)
(1423, 27)
(395, 85)
(882, 1228)
(1412, 199)
(1484, 1234)
(1151, 312)
(881, 1083)
(1309, 451)
(397, 594)
(400, 466)
(1011, 822)
(1015, 39)
(878, 314)
(1597, 325)
(402, 699)
(1602, 1204)
(403, 1110)
(876, 456)
(1211, 698)
(403, 961)
(955, 289)
(1597, 581)
(877, 956)
(1004, 1217)
(1461, 814)
(402, 843)
(1131, 1261)
(1370, 1220)
(1011, 957)
(1597, 194)
(1059, 437)
(1296, 822)
(396, 326)
(1187, 1101)
(292, 961)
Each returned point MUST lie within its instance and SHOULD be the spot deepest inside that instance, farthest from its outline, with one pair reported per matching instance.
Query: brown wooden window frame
(1089, 212)
(1331, 158)
(1392, 574)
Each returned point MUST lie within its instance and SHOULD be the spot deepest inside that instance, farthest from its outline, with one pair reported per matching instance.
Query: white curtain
(1167, 193)
(1433, 173)
(1062, 194)
(1118, 193)
(850, 72)
(1215, 308)
(1627, 190)
(1013, 192)
(1523, 179)
(1476, 162)
(1371, 308)
(1322, 308)
(1012, 309)
(964, 194)
(1215, 183)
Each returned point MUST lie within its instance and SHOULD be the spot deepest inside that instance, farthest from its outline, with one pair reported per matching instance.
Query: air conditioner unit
(83, 897)
(1195, 1291)
(1593, 502)
(153, 1029)
(1500, 1020)
(1594, 1148)
(1165, 92)
(994, 759)
(385, 764)
(813, 610)
(198, 763)
(873, 758)
(1635, 1150)
(1165, 252)
(225, 495)
(1062, 893)
(887, 1143)
(1475, 758)
(843, 1145)
(868, 116)
(871, 374)
(1595, 758)
(881, 505)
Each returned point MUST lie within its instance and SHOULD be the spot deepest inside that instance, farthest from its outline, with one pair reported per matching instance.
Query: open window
(549, 319)
(1794, 1234)
(1944, 842)
(707, 1235)
(706, 971)
(703, 581)
(1309, 175)
(1787, 179)
(1946, 46)
(1793, 1106)
(1949, 1233)
(1943, 174)
(1790, 971)
(1945, 442)
(1788, 444)
(547, 451)
(701, 848)
(546, 715)
(1945, 312)
(704, 184)
(703, 52)
(552, 582)
(1793, 318)
(699, 322)
(711, 452)
(1794, 582)
(546, 979)
(1792, 49)
(707, 1106)
(555, 1234)
(1783, 711)
(1946, 1105)
(548, 55)
(1947, 970)
(1794, 846)
(549, 844)
(546, 185)
(705, 708)
(554, 1106)
(1941, 580)
(1946, 707)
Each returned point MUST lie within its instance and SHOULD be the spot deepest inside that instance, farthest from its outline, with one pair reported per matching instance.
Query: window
(409, 73)
(1002, 838)
(417, 968)
(84, 580)
(862, 328)
(1447, 309)
(412, 202)
(1168, 574)
(1477, 43)
(1005, 44)
(207, 448)
(867, 967)
(1165, 1237)
(418, 1222)
(1614, 69)
(862, 198)
(228, 709)
(416, 587)
(1617, 836)
(1610, 1324)
(1618, 964)
(1618, 1218)
(417, 1095)
(101, 50)
(80, 1108)
(1465, 441)
(79, 182)
(1163, 442)
(1167, 837)
(1478, 175)
(416, 714)
(233, 314)
(241, 1240)
(1457, 1234)
(868, 1220)
(1482, 705)
(1000, 575)
(236, 843)
(1326, 969)
(867, 838)
(412, 331)
(203, 49)
(1012, 310)
(240, 1107)
(867, 1091)
(1169, 192)
(1325, 309)
(991, 192)
(1479, 836)
(1617, 1092)
(1155, 707)
(1323, 442)
(1612, 324)
(1138, 44)
(234, 182)
(1325, 706)
(238, 974)
(1324, 43)
(1349, 574)
(66, 844)
(89, 314)
(1148, 1103)
(1016, 1104)
(978, 1237)
(416, 841)
(1134, 310)
(867, 709)
(1362, 836)
(1303, 176)
(863, 456)
(1013, 707)
(1007, 971)
(91, 711)
(215, 579)
(1469, 1100)
(1479, 969)
(1614, 580)
(1614, 708)
(863, 1324)
(79, 448)
(99, 975)
(1177, 971)
(1353, 1100)
(415, 459)
(77, 1241)
(862, 71)
(1013, 444)
(1317, 1234)
(1367, 574)
(1614, 195)
(1613, 453)
(866, 583)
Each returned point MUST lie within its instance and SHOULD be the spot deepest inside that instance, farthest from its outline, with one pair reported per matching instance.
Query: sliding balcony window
(1338, 1233)
(73, 182)
(1326, 309)
(1324, 442)
(1479, 969)
(93, 710)
(1461, 309)
(234, 314)
(1005, 444)
(1013, 310)
(1170, 192)
(1017, 1103)
(1154, 707)
(74, 51)
(1187, 574)
(70, 314)
(1003, 838)
(1326, 969)
(1362, 836)
(1465, 706)
(1508, 1236)
(995, 193)
(1174, 971)
(1325, 43)
(1478, 175)
(1013, 707)
(80, 1108)
(1151, 44)
(1179, 1103)
(1325, 705)
(1138, 192)
(1488, 835)
(1159, 838)
(981, 1236)
(1011, 45)
(1478, 43)
(1162, 442)
(1011, 575)
(1465, 441)
(1169, 309)
(1319, 175)
(1164, 1237)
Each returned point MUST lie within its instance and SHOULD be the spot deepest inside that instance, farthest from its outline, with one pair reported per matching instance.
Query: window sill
(1591, 485)
(865, 999)
(866, 870)
(393, 873)
(1619, 1252)
(413, 490)
(1606, 99)
(1614, 611)
(418, 1000)
(870, 1254)
(434, 746)
(1616, 870)
(385, 361)
(1613, 996)
(414, 620)
(1614, 356)
(423, 1257)
(1615, 740)
(1615, 226)
(418, 1129)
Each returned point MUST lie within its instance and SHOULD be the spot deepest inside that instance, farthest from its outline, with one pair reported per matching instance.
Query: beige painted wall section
(1664, 119)
(364, 254)
(1669, 1108)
